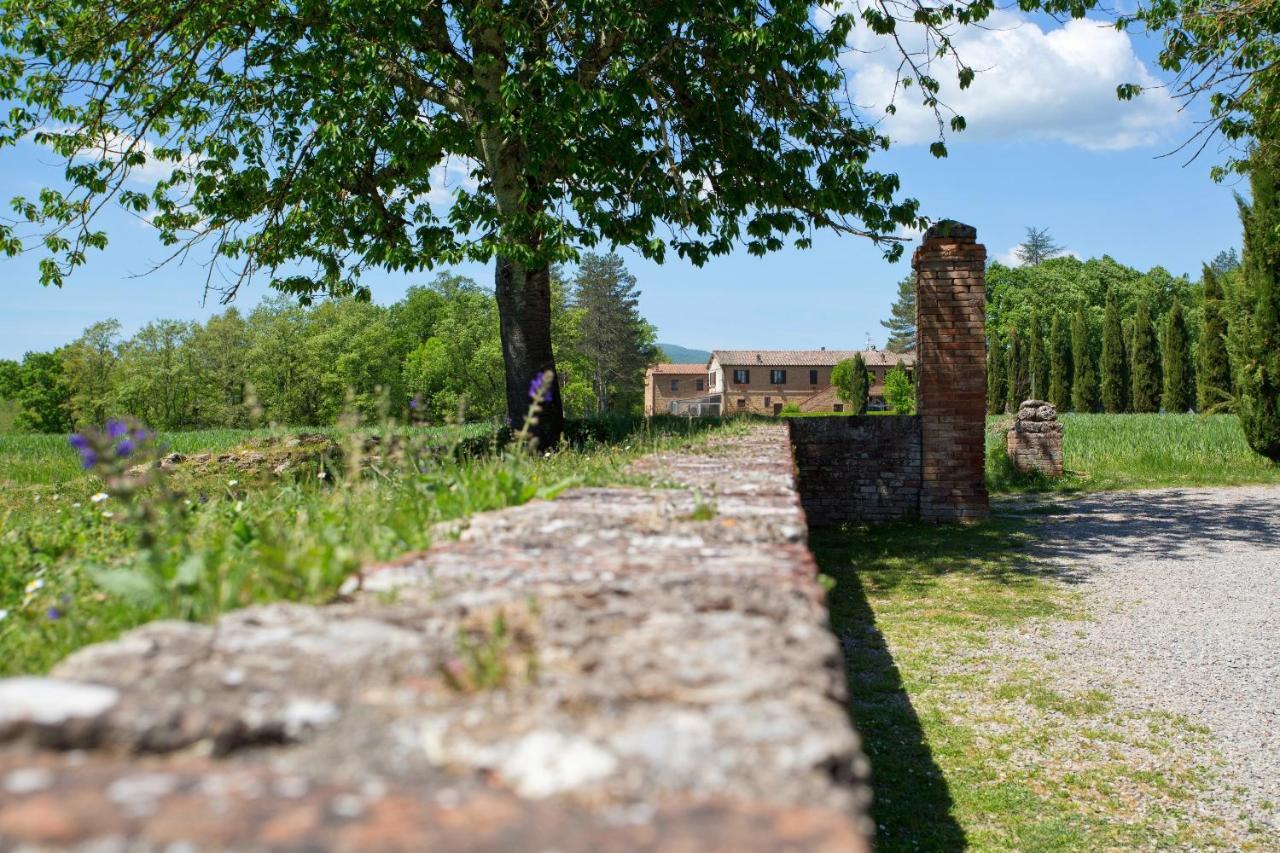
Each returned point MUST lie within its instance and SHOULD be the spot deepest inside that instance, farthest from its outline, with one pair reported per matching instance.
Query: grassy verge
(78, 566)
(972, 740)
(1106, 452)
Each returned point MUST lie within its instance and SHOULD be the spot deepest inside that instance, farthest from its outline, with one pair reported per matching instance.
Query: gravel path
(1183, 590)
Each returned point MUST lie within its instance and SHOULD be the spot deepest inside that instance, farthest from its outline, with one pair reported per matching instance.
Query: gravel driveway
(1183, 590)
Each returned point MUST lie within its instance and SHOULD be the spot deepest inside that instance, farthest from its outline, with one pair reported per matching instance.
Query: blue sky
(1047, 145)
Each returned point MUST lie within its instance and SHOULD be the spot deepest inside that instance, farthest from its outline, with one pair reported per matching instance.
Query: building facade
(667, 383)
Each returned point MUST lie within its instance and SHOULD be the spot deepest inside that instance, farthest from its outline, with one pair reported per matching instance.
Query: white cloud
(448, 176)
(1056, 85)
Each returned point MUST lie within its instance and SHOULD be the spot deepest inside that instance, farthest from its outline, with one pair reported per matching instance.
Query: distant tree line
(1097, 336)
(433, 356)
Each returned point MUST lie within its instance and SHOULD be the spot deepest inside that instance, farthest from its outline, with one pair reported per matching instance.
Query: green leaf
(128, 584)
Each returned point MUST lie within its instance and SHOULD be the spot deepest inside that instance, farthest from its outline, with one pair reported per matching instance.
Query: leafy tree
(1213, 366)
(1254, 336)
(1144, 362)
(899, 392)
(1017, 373)
(44, 400)
(852, 382)
(1179, 378)
(1084, 379)
(1037, 248)
(310, 141)
(1038, 358)
(10, 378)
(1114, 369)
(615, 339)
(87, 366)
(997, 376)
(902, 318)
(219, 354)
(156, 381)
(1060, 369)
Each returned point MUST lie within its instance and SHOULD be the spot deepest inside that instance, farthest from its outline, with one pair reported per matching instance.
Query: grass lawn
(974, 744)
(78, 566)
(1106, 452)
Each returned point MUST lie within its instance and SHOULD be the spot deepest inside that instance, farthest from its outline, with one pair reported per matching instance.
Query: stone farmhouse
(762, 381)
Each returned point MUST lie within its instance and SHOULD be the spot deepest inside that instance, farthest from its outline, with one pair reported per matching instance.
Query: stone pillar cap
(950, 229)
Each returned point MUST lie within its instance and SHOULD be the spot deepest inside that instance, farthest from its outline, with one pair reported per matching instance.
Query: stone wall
(951, 374)
(618, 669)
(857, 468)
(1034, 443)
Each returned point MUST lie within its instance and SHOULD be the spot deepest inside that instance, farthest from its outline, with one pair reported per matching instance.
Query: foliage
(1060, 369)
(1213, 366)
(1114, 368)
(852, 382)
(43, 397)
(1255, 330)
(1038, 359)
(902, 318)
(1144, 362)
(1179, 377)
(899, 392)
(1084, 379)
(1037, 248)
(997, 376)
(1017, 374)
(616, 341)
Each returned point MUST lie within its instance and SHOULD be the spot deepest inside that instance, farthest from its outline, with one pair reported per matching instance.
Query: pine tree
(852, 382)
(615, 338)
(1059, 365)
(1039, 358)
(1037, 248)
(1084, 379)
(1144, 363)
(1255, 334)
(1179, 380)
(1015, 373)
(902, 318)
(1213, 367)
(997, 387)
(1114, 370)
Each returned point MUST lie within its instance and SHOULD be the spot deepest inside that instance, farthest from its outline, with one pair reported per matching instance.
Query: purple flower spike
(78, 441)
(88, 458)
(141, 435)
(53, 613)
(537, 385)
(115, 429)
(124, 448)
(414, 404)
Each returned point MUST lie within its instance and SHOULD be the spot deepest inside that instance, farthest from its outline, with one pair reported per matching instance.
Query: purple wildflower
(88, 458)
(115, 429)
(78, 441)
(415, 404)
(537, 385)
(124, 448)
(53, 614)
(141, 435)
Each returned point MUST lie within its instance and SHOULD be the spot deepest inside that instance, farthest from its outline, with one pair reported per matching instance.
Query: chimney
(824, 349)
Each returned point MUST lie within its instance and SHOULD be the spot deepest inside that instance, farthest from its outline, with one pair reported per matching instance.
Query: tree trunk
(524, 312)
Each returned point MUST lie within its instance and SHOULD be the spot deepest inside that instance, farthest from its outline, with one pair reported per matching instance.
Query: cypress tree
(996, 386)
(1213, 368)
(1144, 363)
(1017, 380)
(1179, 381)
(1039, 358)
(1059, 365)
(1114, 371)
(1255, 335)
(1084, 379)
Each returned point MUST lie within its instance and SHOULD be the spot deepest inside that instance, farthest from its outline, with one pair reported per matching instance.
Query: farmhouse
(762, 381)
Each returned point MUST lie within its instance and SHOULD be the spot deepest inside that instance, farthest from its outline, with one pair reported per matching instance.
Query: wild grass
(1107, 452)
(74, 570)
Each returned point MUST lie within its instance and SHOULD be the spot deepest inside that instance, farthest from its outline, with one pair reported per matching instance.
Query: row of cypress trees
(1146, 371)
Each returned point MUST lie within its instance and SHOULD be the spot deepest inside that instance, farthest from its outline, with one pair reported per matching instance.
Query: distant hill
(683, 355)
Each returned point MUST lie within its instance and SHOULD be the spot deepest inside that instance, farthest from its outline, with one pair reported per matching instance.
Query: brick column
(951, 372)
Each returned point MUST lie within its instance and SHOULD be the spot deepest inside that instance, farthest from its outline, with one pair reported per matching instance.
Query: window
(768, 401)
(838, 407)
(699, 384)
(813, 377)
(742, 404)
(675, 384)
(741, 377)
(777, 377)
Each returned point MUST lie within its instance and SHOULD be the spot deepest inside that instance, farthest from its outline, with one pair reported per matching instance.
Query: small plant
(703, 509)
(491, 652)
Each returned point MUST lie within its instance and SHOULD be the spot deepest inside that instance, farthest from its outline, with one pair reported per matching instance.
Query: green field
(1106, 452)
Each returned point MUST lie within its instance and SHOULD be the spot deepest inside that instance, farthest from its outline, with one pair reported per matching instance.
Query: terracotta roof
(807, 357)
(671, 367)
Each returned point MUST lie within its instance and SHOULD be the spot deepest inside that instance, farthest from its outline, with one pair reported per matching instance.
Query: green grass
(971, 747)
(74, 571)
(1107, 452)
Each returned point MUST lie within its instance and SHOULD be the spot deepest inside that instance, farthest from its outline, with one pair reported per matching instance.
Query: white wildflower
(35, 585)
(239, 506)
(108, 515)
(233, 482)
(322, 475)
(4, 614)
(99, 497)
(76, 505)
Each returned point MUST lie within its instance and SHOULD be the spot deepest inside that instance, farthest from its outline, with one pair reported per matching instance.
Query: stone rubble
(621, 668)
(1034, 442)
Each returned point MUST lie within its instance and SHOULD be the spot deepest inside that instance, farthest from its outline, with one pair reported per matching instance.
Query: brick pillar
(951, 372)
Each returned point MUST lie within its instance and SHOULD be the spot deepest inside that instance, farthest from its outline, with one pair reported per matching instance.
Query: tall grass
(1103, 452)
